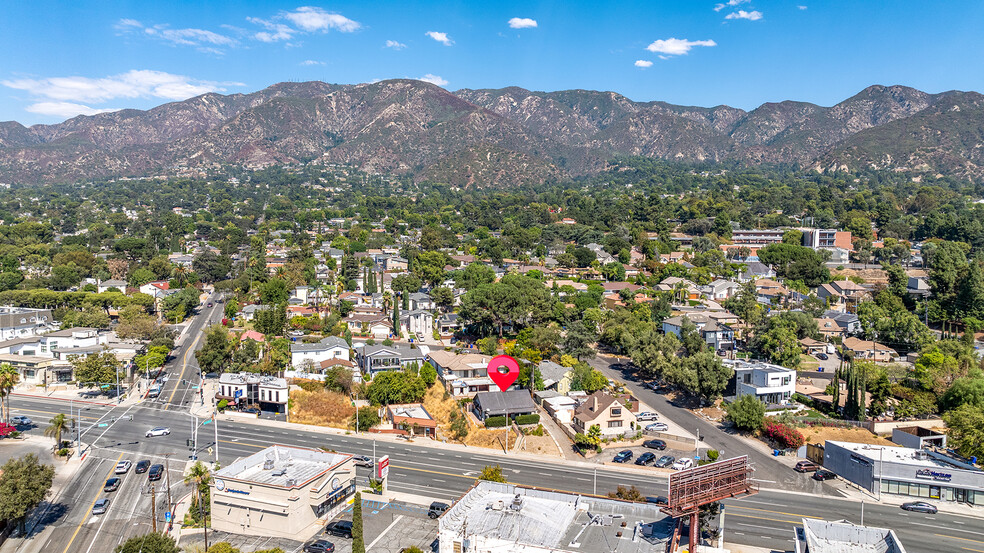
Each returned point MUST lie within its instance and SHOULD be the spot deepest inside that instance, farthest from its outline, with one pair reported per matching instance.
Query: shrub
(459, 425)
(783, 435)
(223, 405)
(532, 418)
(747, 413)
(492, 474)
(495, 422)
(63, 452)
(358, 540)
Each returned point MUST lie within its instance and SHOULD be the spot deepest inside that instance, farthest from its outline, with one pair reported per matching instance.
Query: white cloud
(126, 24)
(65, 109)
(730, 3)
(643, 63)
(443, 38)
(801, 7)
(312, 62)
(677, 46)
(522, 23)
(433, 79)
(312, 19)
(274, 31)
(753, 15)
(132, 84)
(190, 37)
(395, 45)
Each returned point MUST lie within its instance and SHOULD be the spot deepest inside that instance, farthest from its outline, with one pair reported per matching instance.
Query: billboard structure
(690, 489)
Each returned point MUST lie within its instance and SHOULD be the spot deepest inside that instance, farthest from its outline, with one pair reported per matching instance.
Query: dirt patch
(820, 434)
(712, 413)
(871, 275)
(440, 406)
(320, 408)
(540, 445)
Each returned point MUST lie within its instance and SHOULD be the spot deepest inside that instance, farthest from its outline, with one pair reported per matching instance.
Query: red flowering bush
(6, 430)
(785, 436)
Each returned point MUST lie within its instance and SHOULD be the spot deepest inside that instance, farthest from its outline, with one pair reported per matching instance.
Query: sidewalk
(856, 494)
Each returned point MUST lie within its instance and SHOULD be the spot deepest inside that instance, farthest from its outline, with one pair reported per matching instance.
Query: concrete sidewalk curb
(430, 444)
(59, 398)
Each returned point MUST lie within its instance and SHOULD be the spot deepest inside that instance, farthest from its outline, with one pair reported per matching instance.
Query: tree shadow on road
(50, 513)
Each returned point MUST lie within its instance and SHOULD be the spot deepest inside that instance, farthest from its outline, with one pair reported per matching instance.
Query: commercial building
(504, 517)
(919, 473)
(822, 536)
(281, 491)
(269, 392)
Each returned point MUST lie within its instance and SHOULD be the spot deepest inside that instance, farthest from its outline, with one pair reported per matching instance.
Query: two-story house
(841, 292)
(605, 410)
(463, 375)
(310, 355)
(770, 383)
(18, 322)
(418, 321)
(378, 358)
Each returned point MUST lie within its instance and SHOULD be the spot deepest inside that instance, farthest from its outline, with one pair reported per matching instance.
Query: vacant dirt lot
(820, 434)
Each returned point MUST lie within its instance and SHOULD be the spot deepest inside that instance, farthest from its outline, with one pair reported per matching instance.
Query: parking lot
(637, 451)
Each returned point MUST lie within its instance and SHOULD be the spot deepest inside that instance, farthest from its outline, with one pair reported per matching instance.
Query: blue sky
(65, 58)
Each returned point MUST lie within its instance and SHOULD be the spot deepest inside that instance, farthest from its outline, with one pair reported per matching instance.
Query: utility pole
(167, 470)
(153, 508)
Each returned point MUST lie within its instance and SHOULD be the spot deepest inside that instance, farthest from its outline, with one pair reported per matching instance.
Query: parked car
(920, 507)
(142, 466)
(623, 456)
(654, 444)
(657, 427)
(123, 467)
(364, 461)
(806, 466)
(342, 528)
(822, 475)
(21, 420)
(658, 500)
(89, 393)
(101, 506)
(645, 459)
(158, 431)
(112, 485)
(320, 546)
(437, 509)
(647, 416)
(683, 464)
(823, 356)
(156, 471)
(209, 304)
(251, 410)
(666, 461)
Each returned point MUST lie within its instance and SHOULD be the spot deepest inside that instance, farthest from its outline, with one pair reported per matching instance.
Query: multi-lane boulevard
(766, 519)
(422, 468)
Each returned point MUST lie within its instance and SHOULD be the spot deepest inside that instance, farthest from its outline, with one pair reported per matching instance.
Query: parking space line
(383, 533)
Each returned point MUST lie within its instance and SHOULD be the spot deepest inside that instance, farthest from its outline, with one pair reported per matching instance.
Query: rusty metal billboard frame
(691, 488)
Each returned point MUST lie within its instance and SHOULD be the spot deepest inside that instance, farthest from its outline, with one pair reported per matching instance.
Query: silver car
(20, 420)
(100, 507)
(158, 431)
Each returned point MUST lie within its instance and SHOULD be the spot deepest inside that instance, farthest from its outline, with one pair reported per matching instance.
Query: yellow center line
(730, 514)
(730, 507)
(184, 365)
(93, 504)
(972, 549)
(956, 538)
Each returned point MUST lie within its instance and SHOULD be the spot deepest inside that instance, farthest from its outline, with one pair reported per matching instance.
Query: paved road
(765, 520)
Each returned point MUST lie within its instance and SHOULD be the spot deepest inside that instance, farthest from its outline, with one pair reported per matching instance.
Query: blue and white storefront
(917, 473)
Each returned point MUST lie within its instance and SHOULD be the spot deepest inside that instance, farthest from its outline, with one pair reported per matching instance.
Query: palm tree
(8, 379)
(58, 425)
(200, 477)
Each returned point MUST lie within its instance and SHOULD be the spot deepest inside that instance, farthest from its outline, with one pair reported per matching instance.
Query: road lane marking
(380, 536)
(774, 512)
(184, 365)
(937, 526)
(91, 505)
(795, 522)
(972, 549)
(956, 538)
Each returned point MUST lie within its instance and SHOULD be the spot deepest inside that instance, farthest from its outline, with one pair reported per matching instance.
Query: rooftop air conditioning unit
(291, 482)
(268, 464)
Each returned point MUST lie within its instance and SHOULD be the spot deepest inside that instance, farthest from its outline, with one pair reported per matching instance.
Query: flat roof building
(821, 536)
(493, 516)
(922, 473)
(281, 491)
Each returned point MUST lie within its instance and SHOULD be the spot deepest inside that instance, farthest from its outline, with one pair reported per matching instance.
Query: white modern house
(770, 383)
(17, 322)
(303, 355)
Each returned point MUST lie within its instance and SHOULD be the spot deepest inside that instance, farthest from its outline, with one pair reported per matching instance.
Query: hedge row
(499, 422)
(533, 418)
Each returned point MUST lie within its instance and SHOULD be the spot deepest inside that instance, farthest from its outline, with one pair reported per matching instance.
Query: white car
(158, 431)
(683, 464)
(123, 467)
(647, 416)
(20, 420)
(657, 427)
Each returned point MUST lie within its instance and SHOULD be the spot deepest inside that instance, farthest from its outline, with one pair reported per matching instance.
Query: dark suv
(658, 445)
(142, 466)
(155, 473)
(342, 528)
(437, 509)
(645, 459)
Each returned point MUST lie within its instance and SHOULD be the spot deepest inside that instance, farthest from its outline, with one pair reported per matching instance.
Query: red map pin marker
(503, 370)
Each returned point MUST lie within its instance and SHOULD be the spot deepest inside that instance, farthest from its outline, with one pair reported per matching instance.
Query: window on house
(278, 397)
(785, 380)
(616, 411)
(614, 424)
(747, 378)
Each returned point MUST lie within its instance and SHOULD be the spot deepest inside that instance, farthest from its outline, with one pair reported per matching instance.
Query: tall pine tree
(396, 319)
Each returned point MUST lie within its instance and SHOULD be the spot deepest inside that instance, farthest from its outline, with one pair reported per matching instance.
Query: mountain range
(508, 136)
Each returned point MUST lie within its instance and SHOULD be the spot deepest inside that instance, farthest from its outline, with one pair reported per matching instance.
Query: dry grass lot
(820, 434)
(321, 408)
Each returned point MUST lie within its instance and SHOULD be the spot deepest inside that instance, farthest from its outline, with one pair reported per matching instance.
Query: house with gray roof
(310, 355)
(377, 358)
(511, 403)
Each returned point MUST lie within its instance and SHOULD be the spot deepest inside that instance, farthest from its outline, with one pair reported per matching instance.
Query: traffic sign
(167, 516)
(103, 424)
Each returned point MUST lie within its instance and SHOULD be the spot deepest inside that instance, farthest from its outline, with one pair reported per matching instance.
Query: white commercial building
(504, 517)
(281, 491)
